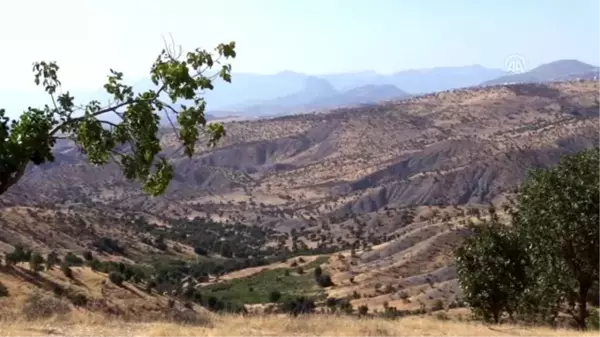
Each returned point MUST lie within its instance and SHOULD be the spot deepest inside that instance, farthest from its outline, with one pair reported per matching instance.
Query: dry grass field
(78, 324)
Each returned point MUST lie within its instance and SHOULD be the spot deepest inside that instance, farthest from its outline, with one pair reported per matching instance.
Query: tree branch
(13, 179)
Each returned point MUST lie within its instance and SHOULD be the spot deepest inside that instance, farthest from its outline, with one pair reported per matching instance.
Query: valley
(377, 195)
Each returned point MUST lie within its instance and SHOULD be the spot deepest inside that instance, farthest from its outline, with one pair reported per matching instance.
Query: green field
(257, 288)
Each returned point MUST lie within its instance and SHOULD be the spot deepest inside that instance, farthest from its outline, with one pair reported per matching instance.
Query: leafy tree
(300, 305)
(557, 216)
(363, 310)
(324, 281)
(318, 272)
(51, 260)
(116, 278)
(36, 263)
(87, 255)
(133, 142)
(65, 267)
(274, 296)
(491, 268)
(19, 254)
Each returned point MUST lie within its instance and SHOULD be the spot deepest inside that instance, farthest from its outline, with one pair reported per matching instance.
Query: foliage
(557, 217)
(3, 290)
(87, 255)
(299, 305)
(491, 268)
(363, 310)
(324, 281)
(116, 278)
(19, 254)
(133, 142)
(318, 272)
(66, 269)
(51, 260)
(274, 296)
(36, 263)
(547, 262)
(72, 259)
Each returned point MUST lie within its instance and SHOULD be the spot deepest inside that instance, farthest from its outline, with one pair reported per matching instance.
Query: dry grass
(219, 325)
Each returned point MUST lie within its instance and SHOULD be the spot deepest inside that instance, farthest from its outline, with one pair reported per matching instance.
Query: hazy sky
(314, 36)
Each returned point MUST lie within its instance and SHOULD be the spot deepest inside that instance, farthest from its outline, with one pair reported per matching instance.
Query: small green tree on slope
(30, 138)
(491, 268)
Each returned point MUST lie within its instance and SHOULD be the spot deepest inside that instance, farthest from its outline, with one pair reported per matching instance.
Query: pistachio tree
(491, 268)
(557, 218)
(132, 142)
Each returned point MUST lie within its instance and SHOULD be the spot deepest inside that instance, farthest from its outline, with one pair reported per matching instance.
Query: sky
(88, 37)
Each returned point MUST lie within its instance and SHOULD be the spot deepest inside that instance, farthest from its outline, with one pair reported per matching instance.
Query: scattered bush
(274, 296)
(78, 299)
(36, 262)
(87, 255)
(200, 250)
(363, 310)
(40, 306)
(318, 272)
(51, 260)
(300, 305)
(3, 290)
(66, 269)
(73, 260)
(324, 281)
(116, 278)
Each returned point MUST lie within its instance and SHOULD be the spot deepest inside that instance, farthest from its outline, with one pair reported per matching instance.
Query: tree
(51, 260)
(557, 216)
(66, 269)
(274, 296)
(116, 278)
(363, 310)
(133, 142)
(318, 272)
(36, 262)
(491, 268)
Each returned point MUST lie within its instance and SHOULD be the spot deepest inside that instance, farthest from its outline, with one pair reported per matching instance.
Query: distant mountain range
(288, 92)
(563, 70)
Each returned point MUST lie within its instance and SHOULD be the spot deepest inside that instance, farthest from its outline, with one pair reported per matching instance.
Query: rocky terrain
(382, 190)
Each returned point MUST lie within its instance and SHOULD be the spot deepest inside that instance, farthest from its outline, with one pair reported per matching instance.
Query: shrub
(3, 290)
(40, 306)
(300, 305)
(318, 272)
(116, 278)
(437, 305)
(73, 260)
(78, 299)
(87, 255)
(324, 281)
(66, 269)
(200, 250)
(300, 270)
(274, 296)
(363, 310)
(36, 262)
(345, 306)
(51, 260)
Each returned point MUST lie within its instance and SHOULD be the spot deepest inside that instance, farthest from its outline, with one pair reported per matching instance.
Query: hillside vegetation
(355, 211)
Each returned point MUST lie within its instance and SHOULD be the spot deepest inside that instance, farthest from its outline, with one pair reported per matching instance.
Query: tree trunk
(582, 303)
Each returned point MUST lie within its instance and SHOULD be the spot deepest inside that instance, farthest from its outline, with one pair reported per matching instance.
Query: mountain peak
(565, 67)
